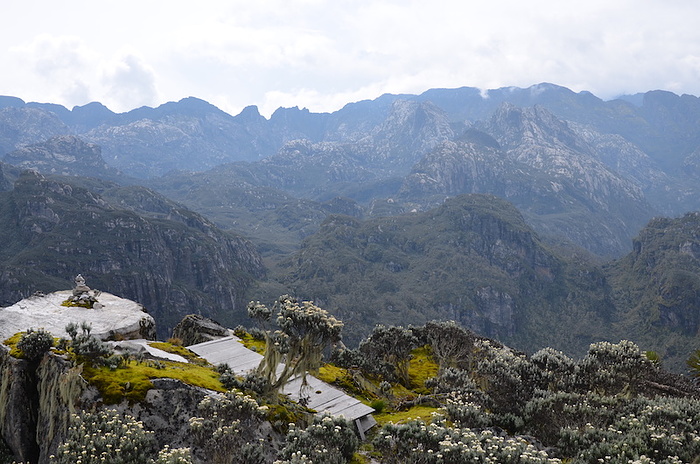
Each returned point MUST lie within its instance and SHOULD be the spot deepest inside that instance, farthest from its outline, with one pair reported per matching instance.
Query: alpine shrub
(105, 437)
(35, 343)
(329, 440)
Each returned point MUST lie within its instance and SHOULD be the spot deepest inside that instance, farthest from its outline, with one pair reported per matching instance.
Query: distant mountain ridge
(366, 150)
(663, 125)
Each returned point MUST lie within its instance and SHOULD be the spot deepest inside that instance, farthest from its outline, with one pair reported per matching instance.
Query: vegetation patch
(252, 343)
(133, 381)
(286, 412)
(335, 375)
(359, 386)
(421, 368)
(189, 355)
(78, 304)
(12, 343)
(421, 413)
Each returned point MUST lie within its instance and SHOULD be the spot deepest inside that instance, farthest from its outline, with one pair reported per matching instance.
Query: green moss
(12, 343)
(251, 343)
(359, 387)
(422, 413)
(332, 374)
(133, 381)
(182, 351)
(421, 368)
(358, 458)
(286, 412)
(77, 304)
(280, 416)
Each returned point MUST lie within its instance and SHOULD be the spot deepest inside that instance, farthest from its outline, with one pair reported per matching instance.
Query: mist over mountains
(497, 209)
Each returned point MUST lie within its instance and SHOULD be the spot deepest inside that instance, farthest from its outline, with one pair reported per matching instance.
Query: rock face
(410, 130)
(659, 286)
(170, 261)
(473, 260)
(18, 406)
(20, 126)
(193, 329)
(190, 134)
(534, 160)
(36, 401)
(65, 155)
(112, 317)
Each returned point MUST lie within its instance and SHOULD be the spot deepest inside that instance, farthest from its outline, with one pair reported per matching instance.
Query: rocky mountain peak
(250, 114)
(514, 126)
(87, 117)
(410, 131)
(63, 154)
(23, 126)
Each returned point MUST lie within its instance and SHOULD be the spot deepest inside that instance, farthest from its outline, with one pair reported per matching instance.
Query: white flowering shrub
(557, 371)
(328, 440)
(105, 437)
(466, 413)
(251, 381)
(415, 442)
(223, 431)
(548, 412)
(451, 344)
(453, 380)
(174, 456)
(508, 377)
(658, 430)
(33, 344)
(613, 367)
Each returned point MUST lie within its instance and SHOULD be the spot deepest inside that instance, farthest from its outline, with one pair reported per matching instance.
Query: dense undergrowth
(442, 395)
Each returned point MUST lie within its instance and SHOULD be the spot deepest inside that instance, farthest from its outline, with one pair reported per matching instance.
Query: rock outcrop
(64, 155)
(193, 329)
(36, 401)
(110, 318)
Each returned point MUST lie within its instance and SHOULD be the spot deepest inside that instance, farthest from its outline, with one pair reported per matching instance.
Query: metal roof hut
(323, 398)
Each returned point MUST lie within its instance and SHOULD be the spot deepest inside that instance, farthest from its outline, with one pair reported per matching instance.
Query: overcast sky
(322, 54)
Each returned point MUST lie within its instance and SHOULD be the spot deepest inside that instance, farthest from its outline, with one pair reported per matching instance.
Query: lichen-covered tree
(392, 345)
(451, 344)
(305, 330)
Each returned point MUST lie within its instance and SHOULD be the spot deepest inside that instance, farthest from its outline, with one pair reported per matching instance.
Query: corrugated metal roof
(322, 397)
(228, 350)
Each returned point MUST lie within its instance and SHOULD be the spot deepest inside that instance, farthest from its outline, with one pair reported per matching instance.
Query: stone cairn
(83, 296)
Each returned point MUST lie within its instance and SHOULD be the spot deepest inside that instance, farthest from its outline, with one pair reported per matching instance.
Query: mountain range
(506, 210)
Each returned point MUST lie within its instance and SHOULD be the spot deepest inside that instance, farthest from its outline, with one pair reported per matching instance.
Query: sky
(322, 54)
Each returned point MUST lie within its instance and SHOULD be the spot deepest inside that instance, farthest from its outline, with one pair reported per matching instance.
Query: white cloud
(322, 54)
(58, 66)
(129, 83)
